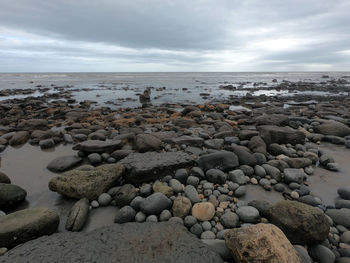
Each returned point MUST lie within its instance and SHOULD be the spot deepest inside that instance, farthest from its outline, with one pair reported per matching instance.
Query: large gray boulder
(11, 195)
(333, 128)
(143, 167)
(96, 146)
(281, 135)
(88, 183)
(129, 242)
(24, 225)
(222, 160)
(340, 216)
(63, 163)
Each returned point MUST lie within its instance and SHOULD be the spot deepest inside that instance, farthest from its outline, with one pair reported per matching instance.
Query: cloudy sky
(174, 35)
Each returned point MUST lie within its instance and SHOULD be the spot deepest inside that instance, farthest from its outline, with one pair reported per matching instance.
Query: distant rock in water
(145, 98)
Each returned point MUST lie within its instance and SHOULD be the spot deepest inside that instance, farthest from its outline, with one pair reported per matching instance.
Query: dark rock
(155, 203)
(257, 145)
(147, 142)
(281, 135)
(294, 175)
(273, 119)
(340, 216)
(333, 128)
(216, 176)
(125, 215)
(262, 206)
(96, 146)
(33, 124)
(321, 254)
(62, 164)
(244, 156)
(4, 179)
(78, 215)
(344, 192)
(125, 195)
(222, 160)
(18, 138)
(11, 195)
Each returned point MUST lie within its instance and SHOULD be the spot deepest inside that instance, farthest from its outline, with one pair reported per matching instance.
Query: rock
(207, 235)
(244, 156)
(335, 167)
(104, 199)
(78, 215)
(125, 195)
(344, 192)
(321, 254)
(176, 185)
(222, 160)
(219, 246)
(294, 175)
(181, 206)
(272, 171)
(216, 176)
(302, 224)
(121, 154)
(24, 225)
(139, 241)
(4, 179)
(188, 140)
(94, 158)
(192, 180)
(340, 216)
(62, 164)
(262, 206)
(140, 217)
(97, 146)
(203, 211)
(143, 167)
(147, 142)
(281, 135)
(229, 220)
(33, 124)
(214, 144)
(259, 171)
(260, 243)
(248, 214)
(298, 162)
(192, 194)
(197, 172)
(165, 215)
(155, 203)
(257, 145)
(240, 191)
(345, 237)
(181, 175)
(47, 143)
(11, 195)
(163, 188)
(124, 215)
(272, 119)
(237, 176)
(302, 252)
(333, 128)
(20, 137)
(90, 184)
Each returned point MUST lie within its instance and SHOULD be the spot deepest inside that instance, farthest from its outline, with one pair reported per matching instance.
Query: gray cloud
(228, 35)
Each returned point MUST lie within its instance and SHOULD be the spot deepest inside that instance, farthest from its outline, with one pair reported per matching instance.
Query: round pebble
(104, 199)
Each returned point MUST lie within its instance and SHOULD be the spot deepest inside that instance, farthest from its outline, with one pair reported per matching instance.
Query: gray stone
(248, 214)
(104, 199)
(333, 128)
(262, 206)
(46, 144)
(124, 215)
(152, 218)
(125, 195)
(192, 180)
(24, 225)
(302, 252)
(62, 164)
(11, 195)
(244, 156)
(97, 146)
(189, 221)
(222, 160)
(78, 215)
(147, 142)
(197, 172)
(192, 194)
(342, 204)
(136, 202)
(18, 138)
(175, 185)
(94, 158)
(165, 215)
(216, 176)
(340, 216)
(214, 143)
(321, 254)
(219, 246)
(294, 175)
(4, 179)
(259, 171)
(229, 220)
(146, 190)
(237, 176)
(208, 235)
(272, 171)
(240, 191)
(143, 167)
(140, 217)
(176, 220)
(181, 175)
(155, 204)
(188, 140)
(281, 135)
(344, 192)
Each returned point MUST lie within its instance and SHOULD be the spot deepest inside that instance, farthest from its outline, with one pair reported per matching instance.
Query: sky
(174, 35)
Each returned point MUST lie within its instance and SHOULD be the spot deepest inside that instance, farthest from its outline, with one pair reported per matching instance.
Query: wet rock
(143, 167)
(257, 145)
(78, 215)
(181, 206)
(62, 164)
(302, 224)
(321, 254)
(4, 179)
(281, 135)
(11, 195)
(229, 220)
(24, 225)
(147, 142)
(18, 138)
(155, 203)
(344, 192)
(96, 146)
(222, 160)
(163, 188)
(47, 143)
(340, 216)
(248, 214)
(203, 211)
(294, 175)
(139, 241)
(87, 183)
(260, 243)
(124, 215)
(333, 128)
(33, 124)
(125, 195)
(216, 176)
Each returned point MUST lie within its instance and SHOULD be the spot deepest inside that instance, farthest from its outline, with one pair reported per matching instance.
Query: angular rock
(24, 225)
(87, 183)
(11, 195)
(281, 135)
(302, 224)
(139, 243)
(64, 163)
(181, 206)
(143, 167)
(125, 195)
(260, 243)
(147, 142)
(96, 146)
(294, 175)
(222, 160)
(78, 215)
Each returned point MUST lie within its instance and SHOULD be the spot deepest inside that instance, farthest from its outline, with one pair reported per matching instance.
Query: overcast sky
(174, 35)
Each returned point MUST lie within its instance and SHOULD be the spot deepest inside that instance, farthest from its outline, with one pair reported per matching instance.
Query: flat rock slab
(96, 146)
(143, 167)
(130, 242)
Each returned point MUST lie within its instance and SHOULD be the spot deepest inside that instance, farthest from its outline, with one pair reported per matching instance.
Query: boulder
(147, 142)
(64, 163)
(24, 225)
(18, 138)
(78, 215)
(302, 223)
(260, 243)
(33, 124)
(272, 119)
(244, 156)
(222, 160)
(143, 167)
(89, 183)
(131, 242)
(340, 216)
(11, 195)
(97, 146)
(281, 135)
(333, 128)
(257, 145)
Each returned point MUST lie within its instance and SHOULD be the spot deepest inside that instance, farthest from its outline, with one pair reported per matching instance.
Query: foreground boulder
(260, 243)
(87, 183)
(18, 138)
(130, 242)
(281, 135)
(27, 224)
(64, 163)
(222, 160)
(302, 223)
(143, 167)
(11, 195)
(96, 146)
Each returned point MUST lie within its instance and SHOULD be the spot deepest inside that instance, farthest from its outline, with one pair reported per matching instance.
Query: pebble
(146, 190)
(152, 218)
(176, 220)
(203, 211)
(229, 220)
(189, 221)
(192, 180)
(140, 217)
(124, 215)
(240, 191)
(104, 199)
(181, 175)
(176, 185)
(95, 204)
(294, 195)
(248, 214)
(155, 204)
(165, 215)
(192, 194)
(208, 235)
(196, 229)
(94, 158)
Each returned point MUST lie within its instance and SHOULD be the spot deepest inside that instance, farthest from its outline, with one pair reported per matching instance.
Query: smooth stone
(192, 194)
(219, 246)
(208, 235)
(165, 215)
(192, 180)
(155, 204)
(152, 218)
(163, 188)
(189, 221)
(104, 199)
(4, 179)
(240, 191)
(237, 176)
(294, 175)
(229, 220)
(94, 158)
(340, 216)
(124, 215)
(62, 164)
(259, 171)
(181, 175)
(78, 215)
(203, 211)
(147, 142)
(140, 217)
(222, 160)
(11, 195)
(216, 176)
(136, 202)
(344, 192)
(302, 252)
(197, 172)
(97, 146)
(262, 206)
(248, 214)
(46, 144)
(146, 190)
(322, 254)
(176, 185)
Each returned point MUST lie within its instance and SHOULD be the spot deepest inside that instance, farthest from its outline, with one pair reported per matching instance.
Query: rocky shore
(176, 177)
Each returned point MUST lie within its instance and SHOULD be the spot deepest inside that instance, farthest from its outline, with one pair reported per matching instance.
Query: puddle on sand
(325, 183)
